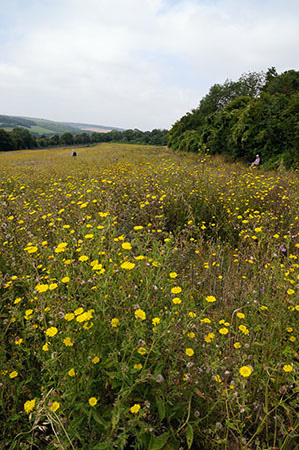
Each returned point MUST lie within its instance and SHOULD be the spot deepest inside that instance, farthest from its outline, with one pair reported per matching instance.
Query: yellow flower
(140, 314)
(243, 329)
(69, 316)
(65, 280)
(138, 227)
(92, 401)
(114, 322)
(45, 347)
(135, 408)
(17, 300)
(205, 320)
(89, 236)
(95, 360)
(51, 331)
(189, 352)
(217, 378)
(240, 315)
(68, 342)
(13, 374)
(173, 275)
(245, 371)
(138, 366)
(223, 331)
(237, 345)
(18, 341)
(53, 286)
(210, 299)
(209, 337)
(127, 265)
(83, 258)
(176, 290)
(55, 406)
(71, 372)
(192, 314)
(42, 287)
(156, 320)
(141, 351)
(29, 406)
(78, 311)
(287, 368)
(176, 300)
(126, 246)
(290, 291)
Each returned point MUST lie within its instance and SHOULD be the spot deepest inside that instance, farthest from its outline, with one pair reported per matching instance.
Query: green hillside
(48, 127)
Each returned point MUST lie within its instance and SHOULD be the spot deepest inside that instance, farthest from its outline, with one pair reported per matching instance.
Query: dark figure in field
(256, 162)
(74, 153)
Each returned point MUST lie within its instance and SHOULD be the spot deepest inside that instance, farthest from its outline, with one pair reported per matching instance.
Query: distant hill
(41, 127)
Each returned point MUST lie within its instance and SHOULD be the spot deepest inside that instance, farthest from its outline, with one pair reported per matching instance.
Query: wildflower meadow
(149, 300)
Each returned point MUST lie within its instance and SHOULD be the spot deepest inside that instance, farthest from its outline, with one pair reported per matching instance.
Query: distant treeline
(20, 138)
(259, 113)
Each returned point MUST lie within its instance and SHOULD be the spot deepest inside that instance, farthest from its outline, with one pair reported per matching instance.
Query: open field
(149, 300)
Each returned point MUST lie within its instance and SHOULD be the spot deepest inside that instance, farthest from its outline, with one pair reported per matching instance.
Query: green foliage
(256, 114)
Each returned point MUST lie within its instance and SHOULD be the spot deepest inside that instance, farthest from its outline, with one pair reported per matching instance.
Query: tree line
(257, 114)
(21, 138)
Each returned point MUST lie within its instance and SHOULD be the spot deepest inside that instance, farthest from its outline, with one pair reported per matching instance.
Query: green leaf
(189, 435)
(160, 441)
(161, 407)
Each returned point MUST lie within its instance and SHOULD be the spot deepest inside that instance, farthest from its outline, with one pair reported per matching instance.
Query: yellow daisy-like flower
(241, 315)
(176, 300)
(243, 329)
(290, 291)
(205, 320)
(126, 246)
(42, 288)
(69, 316)
(18, 341)
(189, 352)
(13, 374)
(138, 227)
(210, 299)
(141, 351)
(68, 342)
(156, 320)
(78, 311)
(245, 371)
(140, 314)
(29, 406)
(51, 331)
(55, 406)
(71, 372)
(127, 265)
(45, 347)
(65, 279)
(83, 258)
(135, 408)
(209, 337)
(173, 275)
(176, 290)
(237, 345)
(115, 322)
(138, 366)
(287, 368)
(95, 360)
(92, 401)
(53, 286)
(89, 236)
(223, 331)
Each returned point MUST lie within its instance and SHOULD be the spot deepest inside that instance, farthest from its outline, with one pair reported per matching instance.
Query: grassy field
(149, 300)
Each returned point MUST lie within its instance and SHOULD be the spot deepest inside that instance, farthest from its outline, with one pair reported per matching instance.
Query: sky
(135, 63)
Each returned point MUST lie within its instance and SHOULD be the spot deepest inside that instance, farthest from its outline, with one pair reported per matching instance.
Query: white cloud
(133, 63)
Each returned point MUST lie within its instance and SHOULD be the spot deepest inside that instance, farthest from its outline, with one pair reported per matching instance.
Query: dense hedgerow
(149, 300)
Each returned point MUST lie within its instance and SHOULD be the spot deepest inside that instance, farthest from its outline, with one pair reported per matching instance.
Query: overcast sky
(135, 63)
